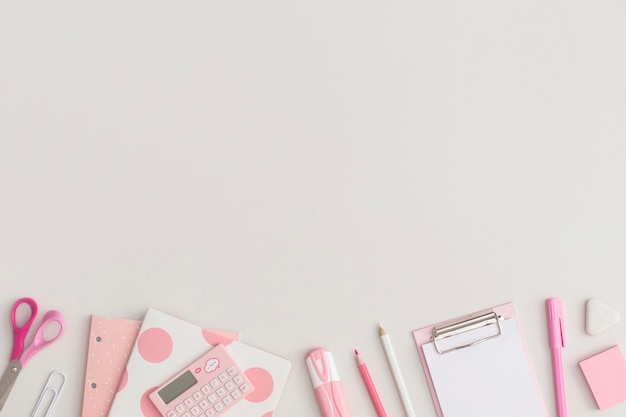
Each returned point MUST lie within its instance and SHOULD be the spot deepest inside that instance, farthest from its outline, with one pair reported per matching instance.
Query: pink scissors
(20, 354)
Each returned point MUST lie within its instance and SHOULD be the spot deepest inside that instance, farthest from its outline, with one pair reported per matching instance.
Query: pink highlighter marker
(557, 343)
(326, 383)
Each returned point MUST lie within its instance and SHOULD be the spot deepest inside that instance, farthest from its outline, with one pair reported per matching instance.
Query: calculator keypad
(219, 399)
(218, 388)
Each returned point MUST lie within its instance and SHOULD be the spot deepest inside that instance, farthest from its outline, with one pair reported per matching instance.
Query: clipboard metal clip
(467, 325)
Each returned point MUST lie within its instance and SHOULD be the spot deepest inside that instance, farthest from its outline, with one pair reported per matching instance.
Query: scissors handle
(19, 333)
(39, 341)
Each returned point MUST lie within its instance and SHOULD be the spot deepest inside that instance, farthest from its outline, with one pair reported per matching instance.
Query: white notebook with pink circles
(167, 344)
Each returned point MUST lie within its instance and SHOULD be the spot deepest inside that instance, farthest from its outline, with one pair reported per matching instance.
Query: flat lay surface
(299, 172)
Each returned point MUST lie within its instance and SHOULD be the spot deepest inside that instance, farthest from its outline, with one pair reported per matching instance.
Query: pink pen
(326, 383)
(557, 343)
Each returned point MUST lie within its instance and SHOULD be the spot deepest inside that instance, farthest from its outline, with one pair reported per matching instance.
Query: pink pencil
(369, 383)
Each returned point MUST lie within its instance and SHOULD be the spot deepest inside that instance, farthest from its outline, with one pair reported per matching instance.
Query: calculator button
(223, 377)
(244, 388)
(238, 379)
(212, 398)
(209, 413)
(171, 413)
(227, 400)
(231, 371)
(218, 406)
(189, 402)
(235, 394)
(197, 396)
(205, 389)
(195, 411)
(229, 385)
(214, 383)
(221, 391)
(180, 408)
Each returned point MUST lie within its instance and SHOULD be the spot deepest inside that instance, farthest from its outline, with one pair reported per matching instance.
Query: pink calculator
(208, 387)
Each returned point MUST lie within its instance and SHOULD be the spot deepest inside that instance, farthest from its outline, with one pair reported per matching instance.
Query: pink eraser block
(606, 376)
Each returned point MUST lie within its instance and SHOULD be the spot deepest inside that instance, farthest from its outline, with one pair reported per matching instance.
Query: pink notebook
(166, 345)
(111, 341)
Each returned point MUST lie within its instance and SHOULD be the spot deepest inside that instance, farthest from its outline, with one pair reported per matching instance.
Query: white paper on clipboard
(493, 378)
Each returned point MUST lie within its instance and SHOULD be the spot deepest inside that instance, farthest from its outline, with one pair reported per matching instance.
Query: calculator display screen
(181, 384)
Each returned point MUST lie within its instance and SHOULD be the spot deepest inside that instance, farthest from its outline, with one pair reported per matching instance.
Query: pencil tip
(356, 352)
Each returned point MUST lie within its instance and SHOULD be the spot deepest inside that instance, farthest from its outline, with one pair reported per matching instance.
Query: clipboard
(478, 366)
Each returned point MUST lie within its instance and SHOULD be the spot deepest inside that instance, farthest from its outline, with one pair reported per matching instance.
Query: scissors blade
(8, 379)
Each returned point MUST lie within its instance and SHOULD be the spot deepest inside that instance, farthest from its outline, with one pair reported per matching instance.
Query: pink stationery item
(556, 332)
(369, 384)
(478, 365)
(111, 341)
(210, 386)
(606, 375)
(166, 344)
(21, 353)
(326, 383)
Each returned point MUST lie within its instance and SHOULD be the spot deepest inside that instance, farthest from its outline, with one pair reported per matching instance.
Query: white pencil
(395, 371)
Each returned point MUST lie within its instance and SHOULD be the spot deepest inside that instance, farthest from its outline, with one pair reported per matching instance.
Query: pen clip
(562, 331)
(320, 364)
(557, 327)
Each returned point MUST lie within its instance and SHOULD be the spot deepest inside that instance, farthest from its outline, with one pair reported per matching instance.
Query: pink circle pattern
(214, 339)
(263, 384)
(155, 345)
(123, 381)
(147, 407)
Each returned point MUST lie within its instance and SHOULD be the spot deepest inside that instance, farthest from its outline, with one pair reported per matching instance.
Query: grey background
(299, 171)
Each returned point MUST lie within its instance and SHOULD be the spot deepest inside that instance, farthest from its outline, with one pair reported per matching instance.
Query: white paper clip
(49, 389)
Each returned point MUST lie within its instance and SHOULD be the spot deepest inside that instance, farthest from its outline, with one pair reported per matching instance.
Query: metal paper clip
(45, 393)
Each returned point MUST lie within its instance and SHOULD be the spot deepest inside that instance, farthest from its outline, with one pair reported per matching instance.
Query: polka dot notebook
(166, 344)
(111, 342)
